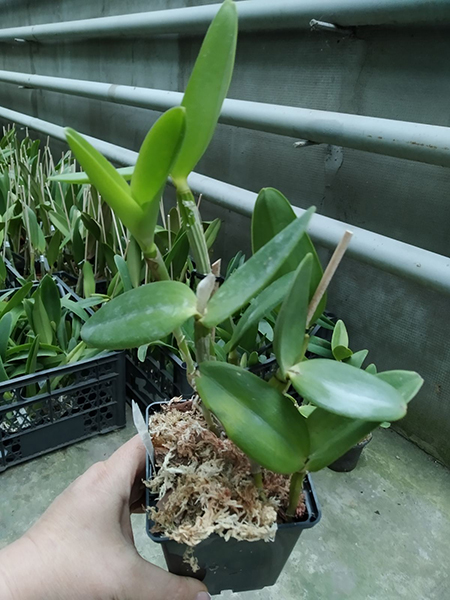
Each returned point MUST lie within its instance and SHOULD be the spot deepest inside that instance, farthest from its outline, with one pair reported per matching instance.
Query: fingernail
(203, 596)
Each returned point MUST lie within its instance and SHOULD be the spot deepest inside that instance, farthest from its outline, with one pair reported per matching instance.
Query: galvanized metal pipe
(402, 139)
(404, 260)
(253, 15)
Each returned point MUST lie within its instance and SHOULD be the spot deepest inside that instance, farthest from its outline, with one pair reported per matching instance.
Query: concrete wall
(398, 74)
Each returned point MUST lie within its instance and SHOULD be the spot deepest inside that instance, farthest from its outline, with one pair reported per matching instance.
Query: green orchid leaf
(3, 373)
(74, 307)
(88, 279)
(266, 301)
(341, 352)
(173, 220)
(32, 356)
(124, 273)
(407, 383)
(35, 233)
(212, 231)
(140, 316)
(346, 391)
(53, 252)
(207, 89)
(340, 336)
(60, 223)
(134, 262)
(17, 299)
(92, 226)
(256, 417)
(112, 187)
(41, 322)
(357, 359)
(255, 274)
(319, 350)
(177, 256)
(5, 332)
(51, 299)
(3, 272)
(83, 178)
(272, 213)
(290, 328)
(332, 435)
(156, 157)
(372, 369)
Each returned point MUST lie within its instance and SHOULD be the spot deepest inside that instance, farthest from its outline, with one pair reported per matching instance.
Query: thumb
(149, 582)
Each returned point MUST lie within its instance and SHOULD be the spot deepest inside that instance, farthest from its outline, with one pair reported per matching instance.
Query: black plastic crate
(88, 399)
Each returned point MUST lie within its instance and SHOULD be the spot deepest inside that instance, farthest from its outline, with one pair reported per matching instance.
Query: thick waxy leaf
(134, 262)
(207, 88)
(82, 177)
(140, 316)
(41, 321)
(341, 352)
(110, 185)
(290, 328)
(267, 300)
(357, 359)
(88, 279)
(332, 435)
(272, 213)
(5, 332)
(257, 418)
(340, 335)
(407, 383)
(92, 226)
(51, 299)
(156, 157)
(32, 356)
(254, 275)
(346, 391)
(34, 231)
(60, 223)
(124, 273)
(17, 298)
(52, 252)
(372, 369)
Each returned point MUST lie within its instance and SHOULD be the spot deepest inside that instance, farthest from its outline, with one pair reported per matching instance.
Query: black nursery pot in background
(234, 565)
(348, 461)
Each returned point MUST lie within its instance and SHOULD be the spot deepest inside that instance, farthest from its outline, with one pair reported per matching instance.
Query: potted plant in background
(231, 466)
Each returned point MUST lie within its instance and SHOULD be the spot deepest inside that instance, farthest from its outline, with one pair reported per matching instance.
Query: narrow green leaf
(82, 178)
(256, 417)
(407, 383)
(34, 231)
(178, 254)
(88, 279)
(332, 435)
(110, 185)
(134, 262)
(124, 273)
(16, 300)
(141, 316)
(74, 307)
(340, 335)
(272, 213)
(51, 299)
(41, 321)
(32, 357)
(3, 373)
(254, 275)
(156, 157)
(267, 300)
(319, 350)
(207, 89)
(357, 359)
(5, 332)
(371, 369)
(3, 272)
(290, 328)
(52, 251)
(60, 223)
(346, 391)
(212, 231)
(92, 226)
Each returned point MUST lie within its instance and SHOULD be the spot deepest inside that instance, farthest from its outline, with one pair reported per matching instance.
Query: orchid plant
(283, 274)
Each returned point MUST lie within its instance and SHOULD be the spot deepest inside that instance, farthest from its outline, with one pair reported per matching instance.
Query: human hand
(82, 547)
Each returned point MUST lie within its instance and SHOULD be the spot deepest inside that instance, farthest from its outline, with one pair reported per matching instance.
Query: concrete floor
(384, 533)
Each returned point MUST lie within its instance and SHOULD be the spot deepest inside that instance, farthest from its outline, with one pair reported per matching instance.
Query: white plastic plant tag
(142, 429)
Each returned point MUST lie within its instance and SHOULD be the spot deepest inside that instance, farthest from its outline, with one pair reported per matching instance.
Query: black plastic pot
(234, 565)
(349, 460)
